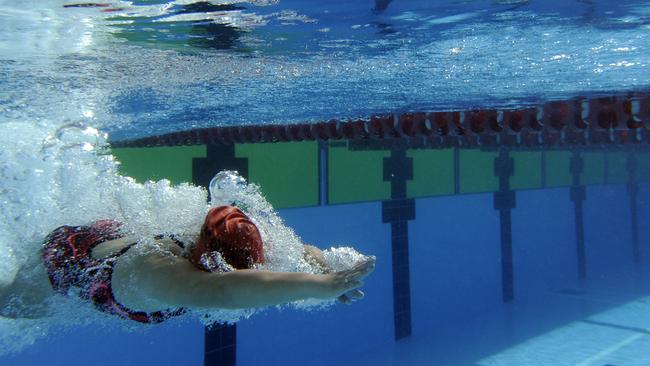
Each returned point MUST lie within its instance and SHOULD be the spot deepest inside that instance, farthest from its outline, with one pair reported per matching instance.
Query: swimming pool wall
(438, 291)
(289, 172)
(290, 177)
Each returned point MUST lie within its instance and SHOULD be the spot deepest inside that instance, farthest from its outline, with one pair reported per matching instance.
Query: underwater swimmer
(216, 271)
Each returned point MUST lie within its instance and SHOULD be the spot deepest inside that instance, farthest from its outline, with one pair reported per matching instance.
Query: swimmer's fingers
(350, 296)
(361, 270)
(355, 295)
(342, 282)
(352, 278)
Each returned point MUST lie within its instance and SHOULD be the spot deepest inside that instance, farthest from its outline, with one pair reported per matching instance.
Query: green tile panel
(356, 175)
(557, 168)
(594, 168)
(477, 171)
(433, 173)
(155, 163)
(617, 168)
(528, 170)
(286, 172)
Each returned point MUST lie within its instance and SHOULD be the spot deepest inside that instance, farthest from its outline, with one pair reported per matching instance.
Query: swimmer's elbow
(179, 284)
(176, 283)
(188, 287)
(202, 290)
(246, 289)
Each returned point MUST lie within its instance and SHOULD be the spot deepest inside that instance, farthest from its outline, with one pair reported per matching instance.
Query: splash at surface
(139, 71)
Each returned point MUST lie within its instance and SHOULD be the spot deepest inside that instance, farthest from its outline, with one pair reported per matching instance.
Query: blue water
(143, 70)
(350, 62)
(298, 61)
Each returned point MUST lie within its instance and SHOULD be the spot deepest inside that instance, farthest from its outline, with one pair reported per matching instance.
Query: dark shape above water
(381, 5)
(87, 5)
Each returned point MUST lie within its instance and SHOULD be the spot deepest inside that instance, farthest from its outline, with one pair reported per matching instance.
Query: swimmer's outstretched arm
(175, 282)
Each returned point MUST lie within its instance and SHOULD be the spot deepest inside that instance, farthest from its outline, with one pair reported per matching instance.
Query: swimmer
(216, 270)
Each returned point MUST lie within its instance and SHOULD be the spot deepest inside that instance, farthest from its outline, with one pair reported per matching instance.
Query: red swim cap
(230, 232)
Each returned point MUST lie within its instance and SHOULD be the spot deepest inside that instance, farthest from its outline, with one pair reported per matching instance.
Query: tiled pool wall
(398, 193)
(434, 220)
(289, 172)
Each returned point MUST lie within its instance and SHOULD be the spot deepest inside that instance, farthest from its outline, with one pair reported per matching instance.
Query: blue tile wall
(577, 194)
(544, 254)
(643, 205)
(221, 345)
(455, 261)
(398, 169)
(608, 234)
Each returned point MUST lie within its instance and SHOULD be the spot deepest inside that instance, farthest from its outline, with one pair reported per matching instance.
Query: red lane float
(614, 119)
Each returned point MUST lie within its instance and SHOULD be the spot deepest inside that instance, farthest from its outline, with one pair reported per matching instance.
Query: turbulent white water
(69, 177)
(65, 176)
(56, 169)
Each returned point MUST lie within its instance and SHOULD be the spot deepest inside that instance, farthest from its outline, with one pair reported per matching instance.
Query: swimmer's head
(230, 232)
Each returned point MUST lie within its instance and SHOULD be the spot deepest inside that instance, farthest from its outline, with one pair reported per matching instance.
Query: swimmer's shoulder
(166, 243)
(141, 280)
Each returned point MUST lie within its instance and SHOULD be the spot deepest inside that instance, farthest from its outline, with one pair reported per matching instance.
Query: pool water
(487, 253)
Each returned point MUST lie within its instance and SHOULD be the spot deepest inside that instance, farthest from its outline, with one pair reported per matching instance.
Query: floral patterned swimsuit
(67, 257)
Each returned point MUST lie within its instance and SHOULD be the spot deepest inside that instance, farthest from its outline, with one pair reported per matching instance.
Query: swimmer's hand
(344, 284)
(350, 296)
